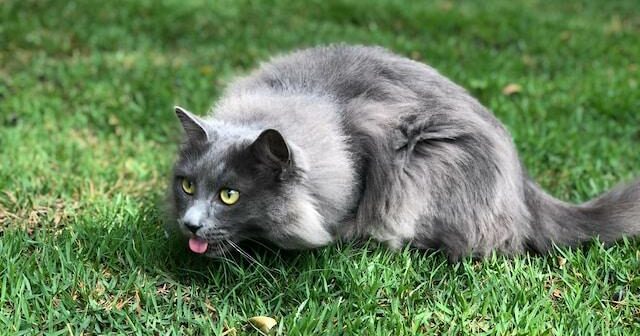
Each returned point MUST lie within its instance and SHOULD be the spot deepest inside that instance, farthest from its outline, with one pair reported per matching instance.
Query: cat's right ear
(192, 125)
(271, 149)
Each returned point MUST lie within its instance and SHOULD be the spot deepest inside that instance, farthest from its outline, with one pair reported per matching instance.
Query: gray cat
(351, 142)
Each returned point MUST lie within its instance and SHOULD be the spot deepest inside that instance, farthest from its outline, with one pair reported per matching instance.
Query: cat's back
(346, 72)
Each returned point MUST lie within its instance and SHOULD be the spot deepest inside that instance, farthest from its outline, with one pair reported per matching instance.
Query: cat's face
(231, 184)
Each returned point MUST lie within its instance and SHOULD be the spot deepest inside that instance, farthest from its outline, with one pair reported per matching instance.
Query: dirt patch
(34, 214)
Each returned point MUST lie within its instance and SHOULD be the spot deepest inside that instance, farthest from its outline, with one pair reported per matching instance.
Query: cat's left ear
(192, 125)
(271, 149)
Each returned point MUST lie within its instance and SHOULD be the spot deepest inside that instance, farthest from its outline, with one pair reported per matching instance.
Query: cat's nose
(192, 227)
(194, 216)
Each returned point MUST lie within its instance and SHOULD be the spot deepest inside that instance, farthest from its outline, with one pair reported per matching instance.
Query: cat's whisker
(258, 243)
(226, 254)
(224, 251)
(250, 258)
(242, 252)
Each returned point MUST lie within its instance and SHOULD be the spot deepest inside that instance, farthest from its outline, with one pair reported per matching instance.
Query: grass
(87, 138)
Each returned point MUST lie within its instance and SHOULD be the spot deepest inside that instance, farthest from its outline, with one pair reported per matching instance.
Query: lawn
(88, 135)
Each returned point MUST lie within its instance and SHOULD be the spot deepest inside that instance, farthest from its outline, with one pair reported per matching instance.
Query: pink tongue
(198, 245)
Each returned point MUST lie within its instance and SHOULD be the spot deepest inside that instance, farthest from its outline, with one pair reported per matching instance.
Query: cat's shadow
(257, 259)
(261, 261)
(123, 247)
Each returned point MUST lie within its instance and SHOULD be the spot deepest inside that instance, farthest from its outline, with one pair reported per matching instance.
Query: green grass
(87, 138)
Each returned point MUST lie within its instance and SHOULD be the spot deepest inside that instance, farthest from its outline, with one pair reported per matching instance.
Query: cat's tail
(608, 217)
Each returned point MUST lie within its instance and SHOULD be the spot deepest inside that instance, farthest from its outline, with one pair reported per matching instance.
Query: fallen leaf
(565, 35)
(615, 25)
(113, 120)
(528, 60)
(561, 262)
(511, 89)
(446, 6)
(206, 70)
(263, 323)
(138, 307)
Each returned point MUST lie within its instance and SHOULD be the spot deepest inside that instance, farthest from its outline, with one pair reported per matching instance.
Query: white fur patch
(309, 228)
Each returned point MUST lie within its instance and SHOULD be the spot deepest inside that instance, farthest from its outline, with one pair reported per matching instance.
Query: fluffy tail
(609, 217)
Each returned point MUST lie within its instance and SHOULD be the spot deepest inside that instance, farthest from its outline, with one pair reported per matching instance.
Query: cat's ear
(192, 125)
(271, 149)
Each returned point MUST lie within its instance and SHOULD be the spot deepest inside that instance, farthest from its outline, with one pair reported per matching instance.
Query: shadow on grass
(127, 244)
(137, 242)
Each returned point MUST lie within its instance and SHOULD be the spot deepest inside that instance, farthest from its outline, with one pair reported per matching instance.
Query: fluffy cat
(352, 142)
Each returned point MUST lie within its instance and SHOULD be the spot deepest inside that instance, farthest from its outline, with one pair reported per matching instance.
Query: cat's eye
(188, 187)
(229, 196)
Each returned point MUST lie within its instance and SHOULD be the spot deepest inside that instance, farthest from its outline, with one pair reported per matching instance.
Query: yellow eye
(229, 196)
(188, 187)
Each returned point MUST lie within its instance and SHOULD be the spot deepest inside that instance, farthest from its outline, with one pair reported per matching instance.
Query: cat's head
(232, 183)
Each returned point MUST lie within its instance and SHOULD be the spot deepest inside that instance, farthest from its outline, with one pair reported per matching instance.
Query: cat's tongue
(198, 245)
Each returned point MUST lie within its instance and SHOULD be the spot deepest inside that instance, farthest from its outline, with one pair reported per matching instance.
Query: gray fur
(377, 146)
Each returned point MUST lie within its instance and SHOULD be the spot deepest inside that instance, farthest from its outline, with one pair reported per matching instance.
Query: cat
(340, 142)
